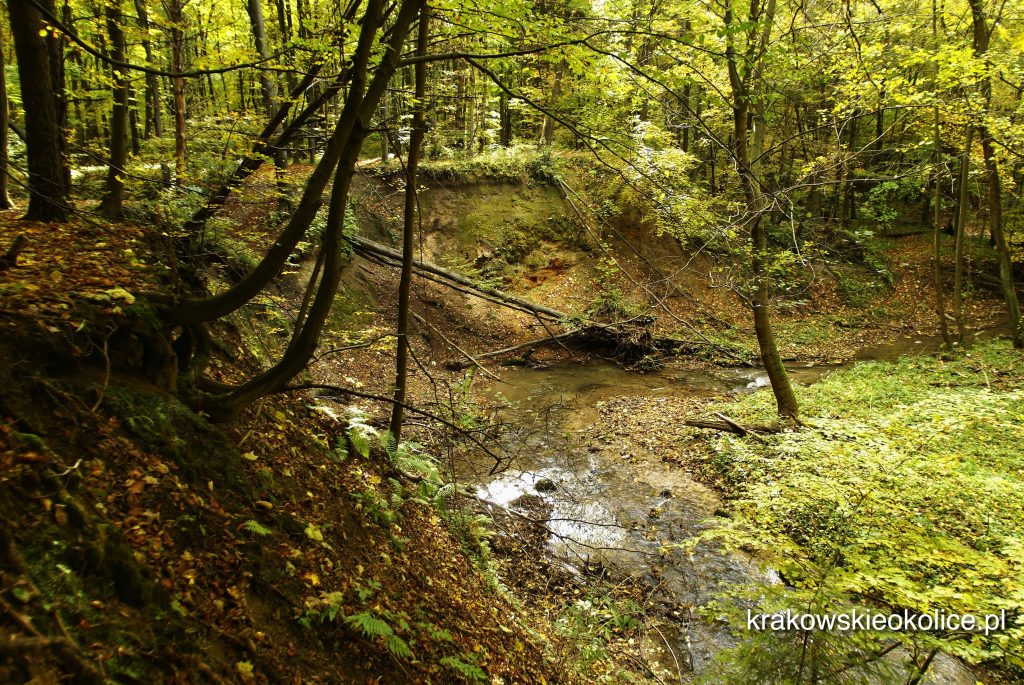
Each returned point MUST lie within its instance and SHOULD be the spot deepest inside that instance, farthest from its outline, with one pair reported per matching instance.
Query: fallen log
(727, 425)
(364, 246)
(631, 340)
(528, 344)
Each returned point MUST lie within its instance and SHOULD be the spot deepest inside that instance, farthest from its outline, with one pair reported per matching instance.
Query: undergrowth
(903, 494)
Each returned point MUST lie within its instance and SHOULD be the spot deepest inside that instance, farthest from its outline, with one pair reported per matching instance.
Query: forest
(512, 341)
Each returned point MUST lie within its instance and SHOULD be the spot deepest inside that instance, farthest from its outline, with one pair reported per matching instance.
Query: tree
(269, 90)
(5, 198)
(749, 122)
(48, 173)
(154, 110)
(409, 224)
(113, 200)
(354, 124)
(981, 38)
(175, 10)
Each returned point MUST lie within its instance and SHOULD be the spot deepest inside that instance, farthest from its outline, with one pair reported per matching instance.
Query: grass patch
(904, 493)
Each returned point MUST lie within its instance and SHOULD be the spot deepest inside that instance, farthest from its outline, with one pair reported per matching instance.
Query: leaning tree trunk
(47, 172)
(358, 111)
(112, 204)
(191, 311)
(408, 233)
(264, 146)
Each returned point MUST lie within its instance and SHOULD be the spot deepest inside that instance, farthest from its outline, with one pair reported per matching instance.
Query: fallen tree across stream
(631, 339)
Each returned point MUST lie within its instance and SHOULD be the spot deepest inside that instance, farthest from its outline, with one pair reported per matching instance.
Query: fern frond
(445, 492)
(398, 647)
(360, 442)
(471, 672)
(390, 445)
(370, 625)
(256, 529)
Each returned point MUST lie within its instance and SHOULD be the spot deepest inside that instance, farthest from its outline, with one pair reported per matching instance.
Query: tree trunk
(961, 230)
(408, 232)
(111, 206)
(154, 107)
(176, 15)
(264, 147)
(5, 198)
(47, 170)
(207, 309)
(268, 88)
(993, 180)
(547, 131)
(505, 119)
(940, 297)
(995, 219)
(356, 116)
(749, 150)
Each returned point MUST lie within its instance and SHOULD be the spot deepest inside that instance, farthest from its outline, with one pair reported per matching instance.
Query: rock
(545, 485)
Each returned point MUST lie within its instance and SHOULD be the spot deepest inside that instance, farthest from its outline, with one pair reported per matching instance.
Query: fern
(255, 528)
(434, 632)
(360, 442)
(373, 627)
(398, 647)
(390, 445)
(470, 671)
(444, 493)
(360, 432)
(370, 625)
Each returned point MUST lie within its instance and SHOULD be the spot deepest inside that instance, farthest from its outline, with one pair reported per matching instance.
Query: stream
(611, 503)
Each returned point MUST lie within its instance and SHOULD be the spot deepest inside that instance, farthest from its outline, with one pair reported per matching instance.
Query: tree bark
(940, 296)
(505, 119)
(47, 168)
(176, 16)
(961, 230)
(408, 232)
(112, 204)
(5, 198)
(547, 130)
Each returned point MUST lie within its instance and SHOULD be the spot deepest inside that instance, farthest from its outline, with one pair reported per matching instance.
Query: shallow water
(623, 508)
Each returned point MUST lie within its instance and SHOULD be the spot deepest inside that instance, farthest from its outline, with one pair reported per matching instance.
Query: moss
(352, 310)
